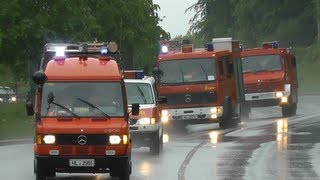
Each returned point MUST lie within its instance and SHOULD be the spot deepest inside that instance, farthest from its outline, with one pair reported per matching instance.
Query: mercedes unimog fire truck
(270, 78)
(81, 113)
(204, 85)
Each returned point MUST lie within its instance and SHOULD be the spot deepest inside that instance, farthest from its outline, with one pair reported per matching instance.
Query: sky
(175, 20)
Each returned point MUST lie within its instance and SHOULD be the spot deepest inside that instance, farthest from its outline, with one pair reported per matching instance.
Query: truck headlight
(284, 99)
(164, 113)
(114, 139)
(215, 110)
(164, 116)
(13, 99)
(279, 94)
(49, 139)
(146, 121)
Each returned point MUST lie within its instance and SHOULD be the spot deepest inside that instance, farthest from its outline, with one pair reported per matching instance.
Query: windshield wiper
(95, 107)
(62, 107)
(204, 71)
(142, 95)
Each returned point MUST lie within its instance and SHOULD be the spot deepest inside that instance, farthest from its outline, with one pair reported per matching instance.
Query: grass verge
(14, 122)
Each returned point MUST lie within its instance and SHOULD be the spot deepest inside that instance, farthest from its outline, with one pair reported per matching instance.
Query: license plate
(186, 117)
(81, 162)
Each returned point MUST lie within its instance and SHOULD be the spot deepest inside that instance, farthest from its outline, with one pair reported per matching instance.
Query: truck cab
(270, 78)
(146, 129)
(81, 117)
(201, 85)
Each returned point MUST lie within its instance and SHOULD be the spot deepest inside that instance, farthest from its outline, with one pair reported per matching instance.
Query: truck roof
(194, 54)
(146, 79)
(91, 69)
(261, 51)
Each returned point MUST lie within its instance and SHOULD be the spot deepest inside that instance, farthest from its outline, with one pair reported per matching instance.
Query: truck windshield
(261, 63)
(140, 93)
(187, 71)
(83, 99)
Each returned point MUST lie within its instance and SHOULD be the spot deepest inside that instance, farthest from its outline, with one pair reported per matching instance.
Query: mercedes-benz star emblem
(82, 140)
(187, 98)
(259, 87)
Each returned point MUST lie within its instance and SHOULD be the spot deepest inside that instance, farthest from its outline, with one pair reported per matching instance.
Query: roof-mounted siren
(103, 48)
(270, 45)
(133, 74)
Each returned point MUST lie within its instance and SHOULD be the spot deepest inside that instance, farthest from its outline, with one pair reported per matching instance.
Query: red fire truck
(201, 85)
(81, 116)
(270, 78)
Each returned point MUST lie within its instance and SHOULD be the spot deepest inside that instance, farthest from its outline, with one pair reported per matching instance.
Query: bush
(308, 68)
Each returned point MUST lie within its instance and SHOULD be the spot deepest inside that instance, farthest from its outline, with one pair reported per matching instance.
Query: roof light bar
(133, 74)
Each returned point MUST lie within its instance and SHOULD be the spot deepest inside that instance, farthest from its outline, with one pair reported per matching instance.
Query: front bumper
(144, 135)
(202, 113)
(267, 99)
(61, 163)
(143, 139)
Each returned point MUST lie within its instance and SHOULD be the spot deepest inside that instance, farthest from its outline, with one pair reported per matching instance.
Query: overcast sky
(175, 20)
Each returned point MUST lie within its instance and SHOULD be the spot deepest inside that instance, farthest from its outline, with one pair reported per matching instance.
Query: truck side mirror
(157, 72)
(29, 107)
(39, 77)
(162, 100)
(135, 109)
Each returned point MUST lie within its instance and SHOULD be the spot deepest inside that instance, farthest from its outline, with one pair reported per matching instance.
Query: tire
(125, 174)
(245, 112)
(123, 171)
(288, 111)
(157, 145)
(226, 120)
(42, 172)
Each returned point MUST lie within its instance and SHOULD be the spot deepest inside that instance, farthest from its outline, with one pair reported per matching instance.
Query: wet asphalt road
(266, 146)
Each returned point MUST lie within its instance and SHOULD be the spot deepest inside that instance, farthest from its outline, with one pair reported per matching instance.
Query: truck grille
(73, 139)
(83, 150)
(264, 87)
(191, 98)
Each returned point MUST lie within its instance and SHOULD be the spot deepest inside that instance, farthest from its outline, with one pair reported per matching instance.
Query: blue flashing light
(209, 46)
(275, 44)
(104, 50)
(139, 74)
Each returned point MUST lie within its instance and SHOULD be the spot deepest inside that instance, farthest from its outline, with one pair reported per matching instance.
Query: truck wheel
(226, 120)
(126, 166)
(288, 111)
(245, 112)
(157, 145)
(42, 172)
(122, 171)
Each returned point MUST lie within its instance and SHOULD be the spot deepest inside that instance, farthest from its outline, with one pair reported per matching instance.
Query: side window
(221, 68)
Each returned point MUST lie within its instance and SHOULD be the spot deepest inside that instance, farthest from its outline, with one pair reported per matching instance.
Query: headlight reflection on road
(214, 137)
(145, 168)
(165, 138)
(282, 136)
